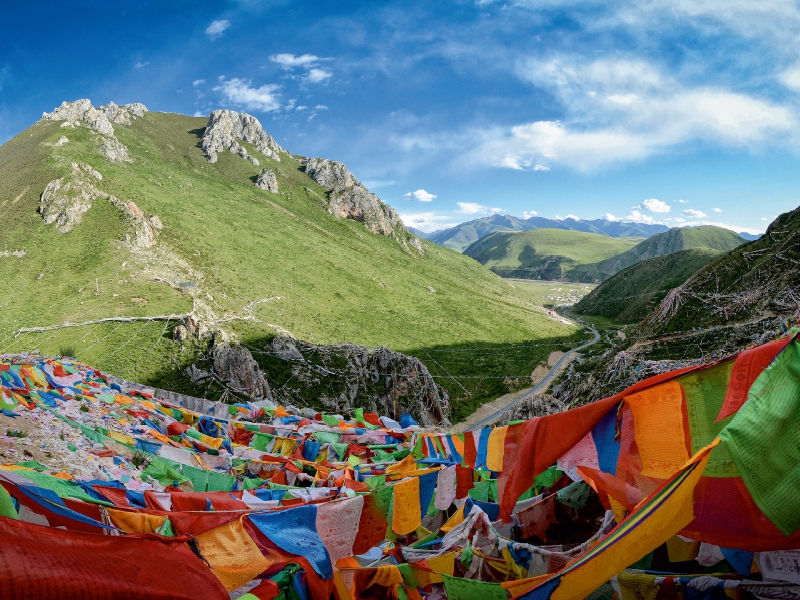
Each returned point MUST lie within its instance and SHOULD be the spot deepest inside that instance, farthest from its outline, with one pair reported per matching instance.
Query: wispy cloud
(527, 214)
(429, 221)
(694, 214)
(420, 195)
(197, 82)
(472, 208)
(717, 210)
(620, 110)
(311, 63)
(141, 65)
(216, 28)
(241, 92)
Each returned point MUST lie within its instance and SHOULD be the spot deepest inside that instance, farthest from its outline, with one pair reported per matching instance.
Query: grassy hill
(239, 258)
(545, 253)
(631, 294)
(678, 238)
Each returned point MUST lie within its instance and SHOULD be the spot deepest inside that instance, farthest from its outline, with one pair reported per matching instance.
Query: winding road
(542, 385)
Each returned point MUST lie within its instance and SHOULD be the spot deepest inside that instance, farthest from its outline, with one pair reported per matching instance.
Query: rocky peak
(348, 198)
(81, 112)
(226, 127)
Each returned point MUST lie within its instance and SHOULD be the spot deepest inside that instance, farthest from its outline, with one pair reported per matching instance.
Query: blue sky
(672, 111)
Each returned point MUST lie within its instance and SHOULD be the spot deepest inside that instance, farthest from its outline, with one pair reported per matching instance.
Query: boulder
(267, 181)
(236, 366)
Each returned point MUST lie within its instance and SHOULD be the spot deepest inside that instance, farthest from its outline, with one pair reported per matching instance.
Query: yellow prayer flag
(495, 449)
(406, 515)
(233, 555)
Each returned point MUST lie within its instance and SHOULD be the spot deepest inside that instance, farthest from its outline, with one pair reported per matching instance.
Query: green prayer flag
(458, 588)
(762, 440)
(705, 393)
(166, 529)
(261, 441)
(7, 505)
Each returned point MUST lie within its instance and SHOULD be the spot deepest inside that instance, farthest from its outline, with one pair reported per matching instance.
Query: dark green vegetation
(240, 259)
(463, 235)
(678, 238)
(545, 253)
(631, 294)
(755, 281)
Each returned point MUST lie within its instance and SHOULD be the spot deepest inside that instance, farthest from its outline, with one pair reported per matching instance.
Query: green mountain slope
(545, 253)
(678, 238)
(753, 282)
(629, 295)
(232, 256)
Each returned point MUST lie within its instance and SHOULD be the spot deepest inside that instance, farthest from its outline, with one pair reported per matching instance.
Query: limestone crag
(539, 405)
(336, 378)
(267, 181)
(81, 112)
(65, 200)
(226, 127)
(348, 198)
(114, 150)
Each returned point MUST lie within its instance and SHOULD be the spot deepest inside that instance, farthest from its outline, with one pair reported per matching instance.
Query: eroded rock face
(237, 367)
(267, 181)
(348, 198)
(66, 199)
(539, 405)
(226, 127)
(115, 151)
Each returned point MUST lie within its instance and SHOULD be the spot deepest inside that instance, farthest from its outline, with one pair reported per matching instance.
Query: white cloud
(610, 217)
(301, 108)
(318, 75)
(527, 214)
(636, 112)
(420, 195)
(683, 201)
(290, 61)
(216, 28)
(497, 211)
(764, 219)
(656, 206)
(471, 208)
(241, 92)
(694, 214)
(428, 221)
(540, 168)
(717, 209)
(197, 82)
(675, 220)
(321, 107)
(569, 216)
(637, 217)
(197, 113)
(140, 65)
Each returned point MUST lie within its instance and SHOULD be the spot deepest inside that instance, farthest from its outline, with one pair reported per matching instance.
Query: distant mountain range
(587, 257)
(458, 238)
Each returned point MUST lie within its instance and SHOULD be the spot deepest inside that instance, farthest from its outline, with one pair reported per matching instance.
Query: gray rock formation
(376, 379)
(539, 405)
(267, 181)
(348, 198)
(226, 127)
(114, 150)
(61, 141)
(99, 119)
(64, 200)
(237, 367)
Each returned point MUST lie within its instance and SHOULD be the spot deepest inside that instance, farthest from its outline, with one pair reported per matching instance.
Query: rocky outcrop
(337, 379)
(144, 227)
(61, 141)
(226, 128)
(267, 181)
(348, 198)
(236, 366)
(82, 113)
(539, 405)
(114, 150)
(66, 199)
